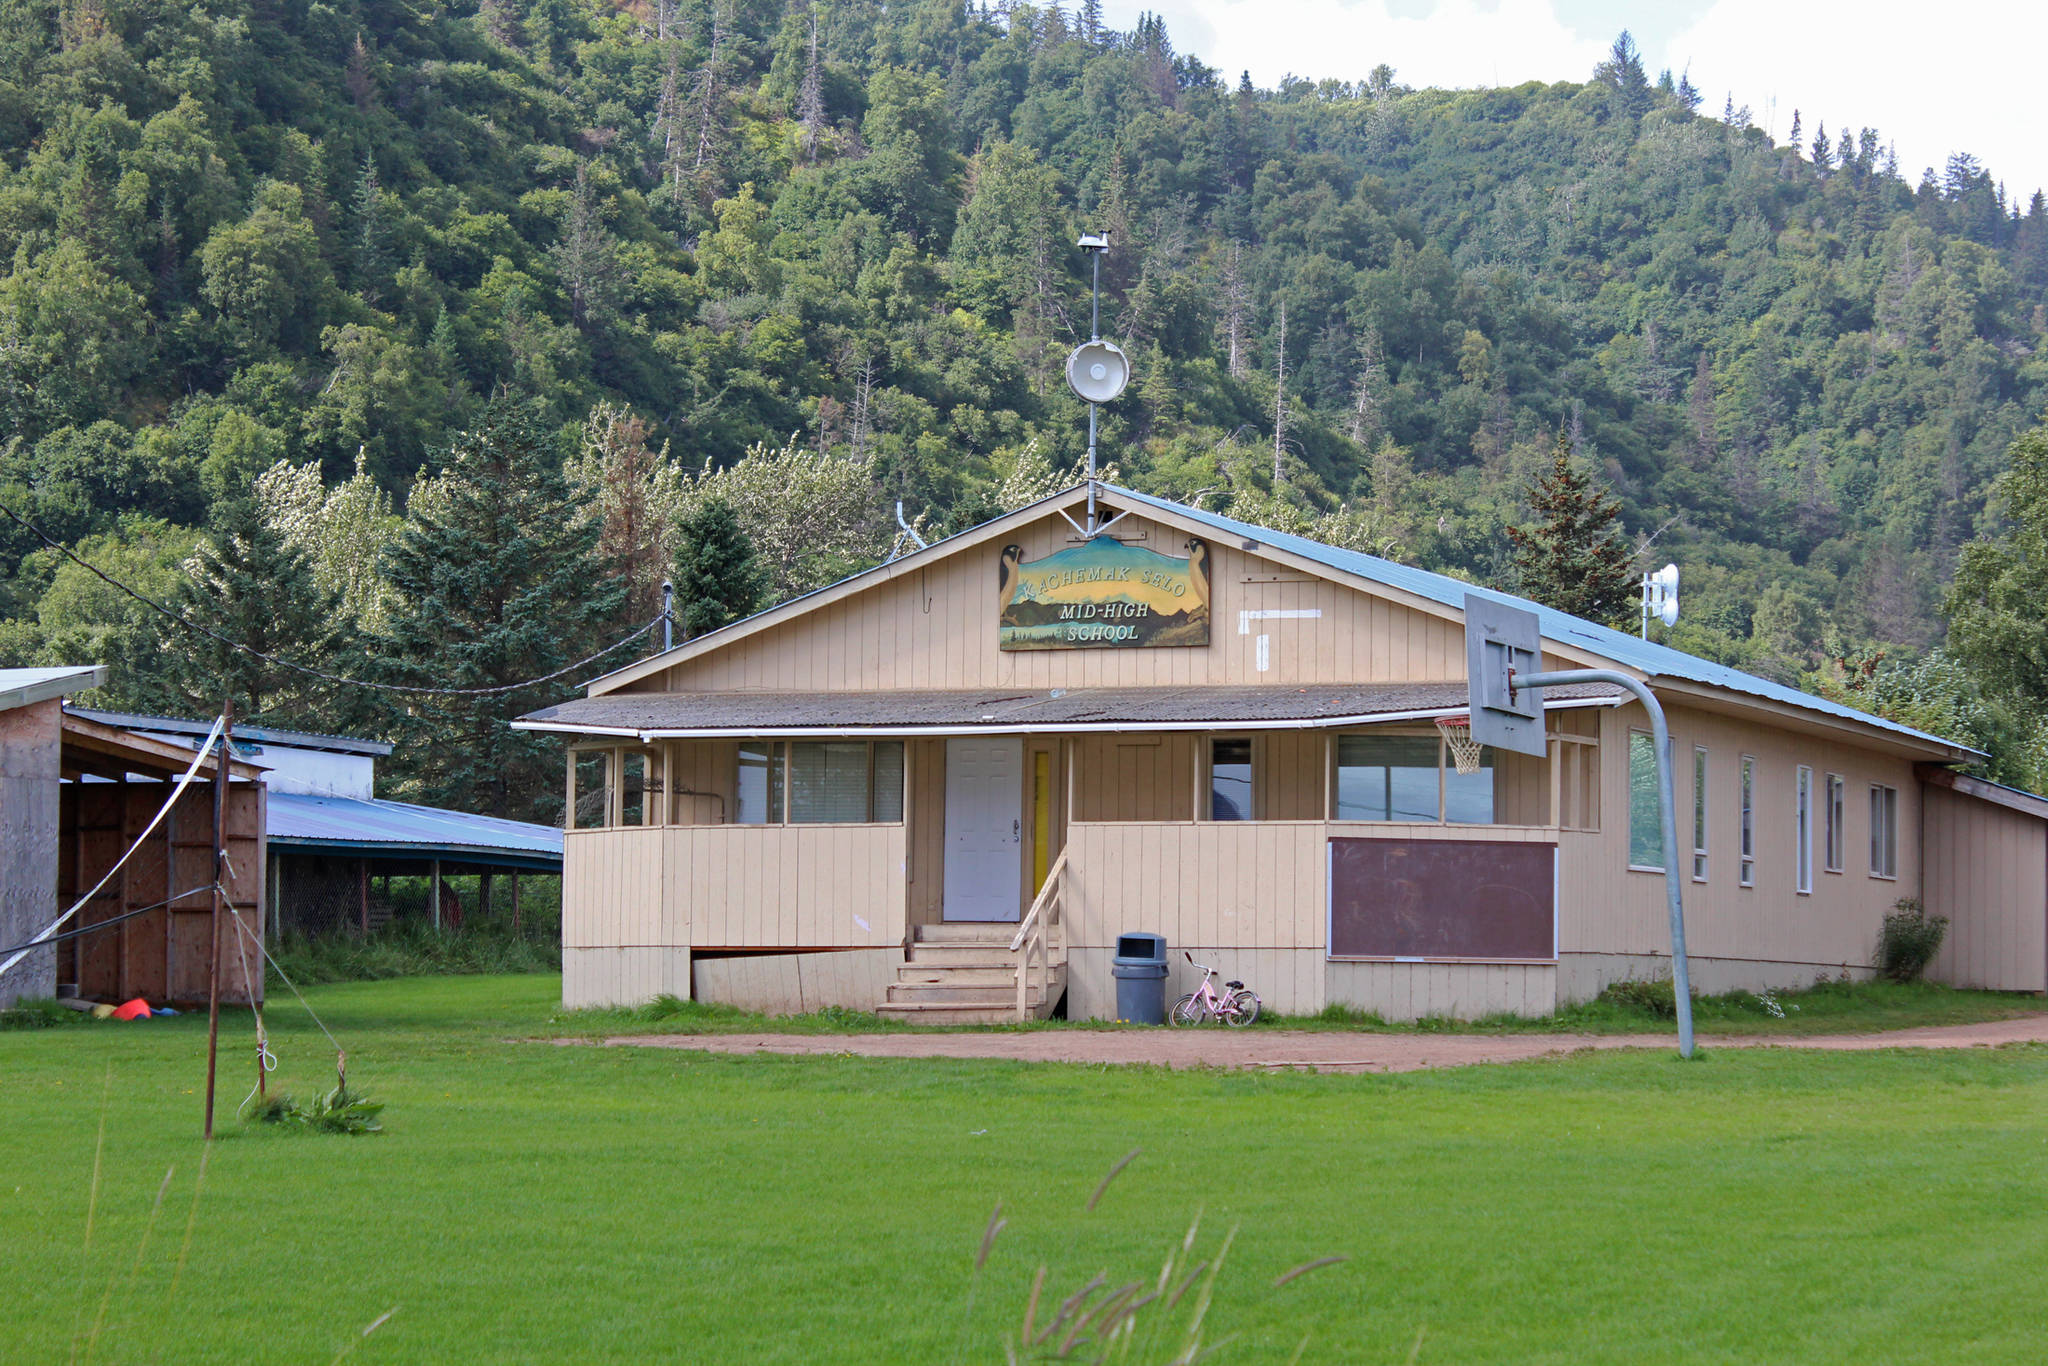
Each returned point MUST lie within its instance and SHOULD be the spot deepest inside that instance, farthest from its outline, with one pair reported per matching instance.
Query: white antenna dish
(1660, 596)
(1098, 371)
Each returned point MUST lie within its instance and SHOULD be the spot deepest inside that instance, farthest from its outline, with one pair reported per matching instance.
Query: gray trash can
(1140, 972)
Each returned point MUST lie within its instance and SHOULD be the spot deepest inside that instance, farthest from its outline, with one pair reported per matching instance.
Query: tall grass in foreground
(1163, 1318)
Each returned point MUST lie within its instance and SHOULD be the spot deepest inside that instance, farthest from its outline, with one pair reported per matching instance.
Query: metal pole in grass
(1667, 808)
(1503, 649)
(220, 859)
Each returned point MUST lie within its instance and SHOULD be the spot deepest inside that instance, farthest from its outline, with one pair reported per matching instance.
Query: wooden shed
(77, 794)
(943, 789)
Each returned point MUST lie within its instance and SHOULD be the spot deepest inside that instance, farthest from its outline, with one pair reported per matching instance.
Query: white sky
(1962, 75)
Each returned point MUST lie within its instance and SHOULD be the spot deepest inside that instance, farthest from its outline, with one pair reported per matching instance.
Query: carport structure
(325, 851)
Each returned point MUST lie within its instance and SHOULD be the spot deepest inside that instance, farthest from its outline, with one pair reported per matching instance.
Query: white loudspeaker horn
(1664, 594)
(1098, 371)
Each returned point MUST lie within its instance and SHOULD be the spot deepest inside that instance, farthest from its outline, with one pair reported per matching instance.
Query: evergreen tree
(1997, 607)
(718, 577)
(496, 579)
(248, 583)
(1576, 557)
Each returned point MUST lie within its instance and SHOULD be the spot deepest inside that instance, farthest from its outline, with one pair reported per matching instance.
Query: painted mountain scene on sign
(1104, 594)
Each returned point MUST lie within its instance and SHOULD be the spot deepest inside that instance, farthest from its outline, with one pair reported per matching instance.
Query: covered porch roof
(1013, 711)
(386, 831)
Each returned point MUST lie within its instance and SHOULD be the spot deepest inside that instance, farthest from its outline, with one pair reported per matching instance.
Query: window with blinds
(820, 782)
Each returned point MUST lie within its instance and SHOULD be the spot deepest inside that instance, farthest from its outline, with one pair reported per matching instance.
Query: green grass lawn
(1825, 1008)
(537, 1203)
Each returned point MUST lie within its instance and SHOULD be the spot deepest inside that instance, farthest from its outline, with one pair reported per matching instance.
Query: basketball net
(1457, 732)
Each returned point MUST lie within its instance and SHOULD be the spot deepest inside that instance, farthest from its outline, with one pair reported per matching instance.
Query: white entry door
(984, 828)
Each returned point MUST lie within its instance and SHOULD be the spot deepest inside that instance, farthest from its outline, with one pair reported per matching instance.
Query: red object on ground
(137, 1009)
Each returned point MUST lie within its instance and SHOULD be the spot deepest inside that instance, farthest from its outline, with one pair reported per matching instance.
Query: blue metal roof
(1647, 657)
(399, 829)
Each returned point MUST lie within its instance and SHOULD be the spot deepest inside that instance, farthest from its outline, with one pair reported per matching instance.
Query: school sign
(1103, 594)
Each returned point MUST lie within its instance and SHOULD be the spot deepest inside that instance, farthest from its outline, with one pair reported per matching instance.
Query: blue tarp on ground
(308, 824)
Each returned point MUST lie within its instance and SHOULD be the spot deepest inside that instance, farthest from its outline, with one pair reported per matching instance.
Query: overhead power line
(306, 669)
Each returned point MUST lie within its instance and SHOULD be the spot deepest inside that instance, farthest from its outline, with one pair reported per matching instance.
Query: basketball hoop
(1457, 731)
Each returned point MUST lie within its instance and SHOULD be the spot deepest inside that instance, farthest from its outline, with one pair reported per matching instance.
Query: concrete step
(959, 976)
(935, 1014)
(961, 955)
(947, 993)
(967, 932)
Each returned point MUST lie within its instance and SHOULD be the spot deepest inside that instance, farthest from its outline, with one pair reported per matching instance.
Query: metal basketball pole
(1667, 807)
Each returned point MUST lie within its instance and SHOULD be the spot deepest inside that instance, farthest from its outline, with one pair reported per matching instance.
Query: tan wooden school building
(945, 786)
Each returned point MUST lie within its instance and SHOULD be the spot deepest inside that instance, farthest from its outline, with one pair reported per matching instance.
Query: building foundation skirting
(797, 983)
(1582, 976)
(622, 977)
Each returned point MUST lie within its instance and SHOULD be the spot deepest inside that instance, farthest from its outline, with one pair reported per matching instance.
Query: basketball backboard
(1501, 641)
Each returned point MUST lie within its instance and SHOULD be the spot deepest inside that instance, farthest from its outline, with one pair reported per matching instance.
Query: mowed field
(536, 1203)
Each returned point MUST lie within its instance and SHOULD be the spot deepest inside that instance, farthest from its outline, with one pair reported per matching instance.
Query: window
(633, 788)
(1388, 777)
(1748, 877)
(813, 782)
(1645, 817)
(1699, 813)
(1884, 831)
(1392, 777)
(592, 798)
(1837, 837)
(759, 788)
(1468, 797)
(1230, 780)
(1803, 829)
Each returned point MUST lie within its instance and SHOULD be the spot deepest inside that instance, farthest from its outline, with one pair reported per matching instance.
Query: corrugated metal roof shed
(308, 824)
(178, 725)
(1648, 657)
(1011, 709)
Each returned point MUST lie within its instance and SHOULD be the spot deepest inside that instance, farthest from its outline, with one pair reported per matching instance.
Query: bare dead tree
(810, 97)
(1236, 306)
(1280, 399)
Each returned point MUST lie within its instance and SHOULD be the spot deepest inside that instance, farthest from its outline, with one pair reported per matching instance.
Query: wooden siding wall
(702, 775)
(927, 835)
(936, 628)
(790, 983)
(1135, 777)
(30, 766)
(1605, 910)
(1987, 871)
(1464, 991)
(734, 886)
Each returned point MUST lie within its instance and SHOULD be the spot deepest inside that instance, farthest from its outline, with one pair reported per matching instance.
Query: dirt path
(1325, 1050)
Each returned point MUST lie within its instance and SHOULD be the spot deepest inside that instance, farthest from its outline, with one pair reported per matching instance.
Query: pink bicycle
(1236, 1005)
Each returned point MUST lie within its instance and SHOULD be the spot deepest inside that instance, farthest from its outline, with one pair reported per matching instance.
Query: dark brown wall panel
(1442, 899)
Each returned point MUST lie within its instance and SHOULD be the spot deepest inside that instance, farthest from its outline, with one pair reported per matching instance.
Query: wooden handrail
(1049, 893)
(1031, 934)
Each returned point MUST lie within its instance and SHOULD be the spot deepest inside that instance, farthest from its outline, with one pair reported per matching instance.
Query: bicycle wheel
(1244, 1008)
(1186, 1011)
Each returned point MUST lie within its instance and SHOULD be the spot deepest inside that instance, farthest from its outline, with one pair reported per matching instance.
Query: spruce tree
(1576, 557)
(718, 577)
(495, 580)
(249, 584)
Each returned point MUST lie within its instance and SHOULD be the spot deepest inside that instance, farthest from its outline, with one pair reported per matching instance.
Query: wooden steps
(965, 974)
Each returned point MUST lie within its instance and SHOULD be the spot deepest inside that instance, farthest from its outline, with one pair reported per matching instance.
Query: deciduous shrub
(1909, 940)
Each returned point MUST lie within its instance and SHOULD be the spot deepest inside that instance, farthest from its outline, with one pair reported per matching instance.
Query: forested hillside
(280, 255)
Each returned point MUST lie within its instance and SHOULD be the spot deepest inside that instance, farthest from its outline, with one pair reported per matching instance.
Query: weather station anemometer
(1097, 370)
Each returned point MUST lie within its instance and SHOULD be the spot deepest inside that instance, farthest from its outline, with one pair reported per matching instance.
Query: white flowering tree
(342, 531)
(813, 517)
